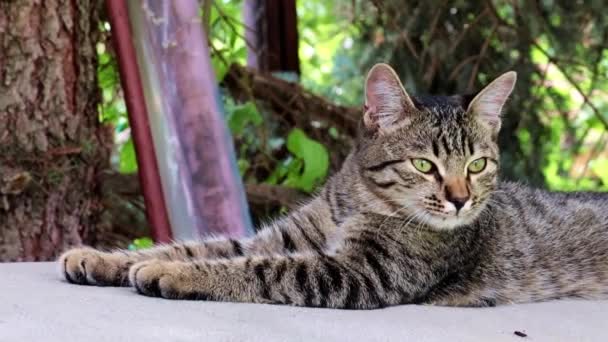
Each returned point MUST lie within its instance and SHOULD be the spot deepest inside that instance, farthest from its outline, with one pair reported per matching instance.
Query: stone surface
(37, 305)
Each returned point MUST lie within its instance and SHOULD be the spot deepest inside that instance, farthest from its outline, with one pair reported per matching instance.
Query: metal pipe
(202, 187)
(149, 177)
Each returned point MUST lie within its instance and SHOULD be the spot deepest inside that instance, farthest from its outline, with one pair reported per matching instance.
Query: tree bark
(52, 145)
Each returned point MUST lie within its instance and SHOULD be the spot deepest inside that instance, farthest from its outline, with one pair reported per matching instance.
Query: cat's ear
(487, 105)
(387, 104)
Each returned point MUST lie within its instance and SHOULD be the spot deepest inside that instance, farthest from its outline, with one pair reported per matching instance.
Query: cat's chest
(340, 232)
(335, 239)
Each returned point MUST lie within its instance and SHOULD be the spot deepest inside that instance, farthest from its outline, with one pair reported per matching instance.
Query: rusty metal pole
(201, 184)
(149, 178)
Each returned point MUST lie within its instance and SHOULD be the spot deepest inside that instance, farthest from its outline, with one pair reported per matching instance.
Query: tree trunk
(52, 145)
(272, 35)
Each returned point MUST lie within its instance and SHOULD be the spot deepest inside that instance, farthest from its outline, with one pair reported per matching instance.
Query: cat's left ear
(487, 105)
(387, 104)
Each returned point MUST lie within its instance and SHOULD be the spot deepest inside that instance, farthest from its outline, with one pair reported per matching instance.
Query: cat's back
(552, 219)
(540, 206)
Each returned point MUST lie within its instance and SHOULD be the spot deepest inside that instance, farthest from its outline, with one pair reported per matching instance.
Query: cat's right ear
(387, 104)
(487, 105)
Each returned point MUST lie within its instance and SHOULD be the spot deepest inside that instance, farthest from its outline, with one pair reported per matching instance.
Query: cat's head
(432, 159)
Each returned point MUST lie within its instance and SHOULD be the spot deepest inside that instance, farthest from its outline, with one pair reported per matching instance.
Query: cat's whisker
(408, 217)
(390, 215)
(415, 216)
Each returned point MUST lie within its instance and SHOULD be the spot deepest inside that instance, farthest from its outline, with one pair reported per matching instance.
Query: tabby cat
(415, 215)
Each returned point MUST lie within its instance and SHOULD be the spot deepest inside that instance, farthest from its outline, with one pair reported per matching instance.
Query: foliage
(141, 243)
(226, 34)
(322, 36)
(304, 168)
(243, 121)
(313, 157)
(112, 109)
(307, 168)
(267, 152)
(128, 163)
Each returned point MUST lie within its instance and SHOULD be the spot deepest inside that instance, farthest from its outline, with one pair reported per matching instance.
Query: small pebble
(520, 334)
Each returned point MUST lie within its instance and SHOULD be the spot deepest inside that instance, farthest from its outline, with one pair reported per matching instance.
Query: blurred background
(291, 80)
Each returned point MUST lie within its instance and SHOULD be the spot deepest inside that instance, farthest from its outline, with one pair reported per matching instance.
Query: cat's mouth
(448, 219)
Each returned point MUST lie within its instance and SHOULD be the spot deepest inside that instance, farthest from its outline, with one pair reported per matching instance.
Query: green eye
(477, 165)
(422, 165)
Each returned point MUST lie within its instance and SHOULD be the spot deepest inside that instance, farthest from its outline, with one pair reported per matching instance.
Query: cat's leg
(88, 266)
(332, 281)
(306, 229)
(298, 280)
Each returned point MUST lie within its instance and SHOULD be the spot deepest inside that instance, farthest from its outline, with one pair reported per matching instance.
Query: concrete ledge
(36, 305)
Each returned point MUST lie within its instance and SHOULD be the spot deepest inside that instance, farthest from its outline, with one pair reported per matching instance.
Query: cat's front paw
(168, 279)
(87, 266)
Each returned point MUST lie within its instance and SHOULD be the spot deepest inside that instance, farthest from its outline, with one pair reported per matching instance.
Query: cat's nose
(458, 202)
(457, 193)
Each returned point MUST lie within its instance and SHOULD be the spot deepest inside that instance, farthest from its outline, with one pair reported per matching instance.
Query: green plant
(307, 166)
(128, 160)
(141, 243)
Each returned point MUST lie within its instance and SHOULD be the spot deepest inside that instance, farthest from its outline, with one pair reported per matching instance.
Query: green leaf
(141, 243)
(243, 165)
(239, 54)
(219, 67)
(232, 38)
(241, 116)
(279, 172)
(315, 159)
(293, 172)
(128, 162)
(600, 167)
(274, 177)
(107, 77)
(333, 132)
(109, 114)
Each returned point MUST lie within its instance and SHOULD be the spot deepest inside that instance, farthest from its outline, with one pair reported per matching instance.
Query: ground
(37, 305)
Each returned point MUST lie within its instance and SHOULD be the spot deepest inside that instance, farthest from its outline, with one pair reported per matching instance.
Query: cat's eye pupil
(422, 165)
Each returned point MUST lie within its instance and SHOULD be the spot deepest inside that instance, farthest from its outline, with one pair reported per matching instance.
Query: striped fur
(382, 233)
